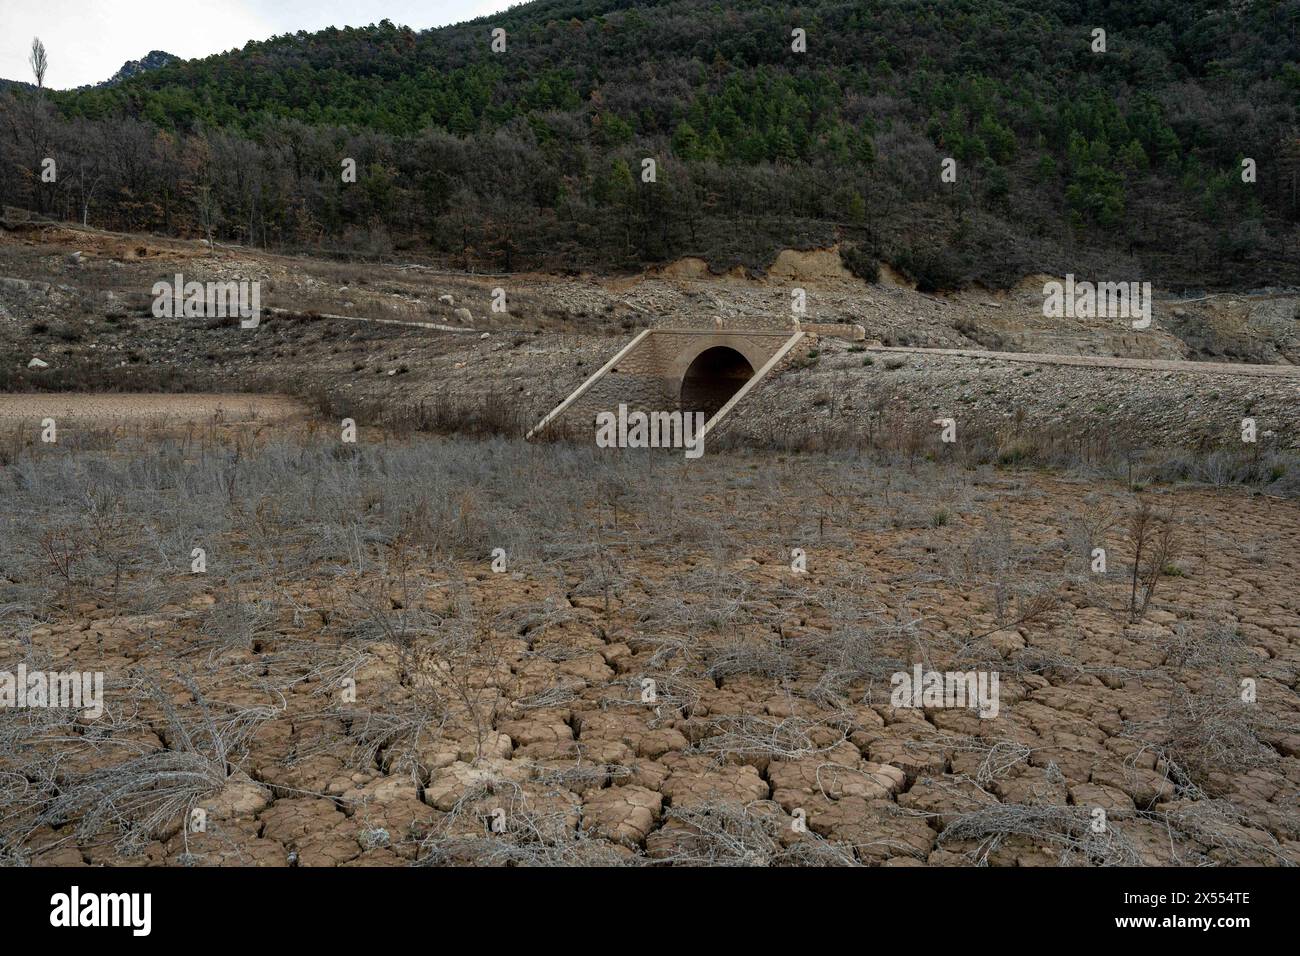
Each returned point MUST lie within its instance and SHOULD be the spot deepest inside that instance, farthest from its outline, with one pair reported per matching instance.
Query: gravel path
(1097, 361)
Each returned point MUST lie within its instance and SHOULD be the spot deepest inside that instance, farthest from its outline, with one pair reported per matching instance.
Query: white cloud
(88, 40)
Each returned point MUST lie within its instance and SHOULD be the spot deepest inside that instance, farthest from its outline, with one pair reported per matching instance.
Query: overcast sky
(89, 40)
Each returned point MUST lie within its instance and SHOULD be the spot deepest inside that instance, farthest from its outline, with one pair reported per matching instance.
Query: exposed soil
(352, 682)
(110, 408)
(667, 661)
(80, 300)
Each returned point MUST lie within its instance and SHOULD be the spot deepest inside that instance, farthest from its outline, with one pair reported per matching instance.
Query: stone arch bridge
(704, 370)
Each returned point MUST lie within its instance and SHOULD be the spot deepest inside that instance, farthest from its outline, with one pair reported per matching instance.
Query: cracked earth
(639, 676)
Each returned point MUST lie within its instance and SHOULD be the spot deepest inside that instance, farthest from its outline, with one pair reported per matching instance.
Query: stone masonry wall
(649, 377)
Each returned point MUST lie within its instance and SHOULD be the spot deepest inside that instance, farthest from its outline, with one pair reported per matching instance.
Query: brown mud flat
(149, 409)
(643, 677)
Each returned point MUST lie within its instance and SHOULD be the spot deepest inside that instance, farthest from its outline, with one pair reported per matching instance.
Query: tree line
(534, 157)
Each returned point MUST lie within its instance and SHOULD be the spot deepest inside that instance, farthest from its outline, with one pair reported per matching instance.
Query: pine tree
(686, 142)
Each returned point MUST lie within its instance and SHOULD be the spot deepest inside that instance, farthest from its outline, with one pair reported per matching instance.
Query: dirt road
(1098, 361)
(111, 408)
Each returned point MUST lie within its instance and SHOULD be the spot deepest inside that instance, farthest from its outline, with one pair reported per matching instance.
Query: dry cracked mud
(641, 675)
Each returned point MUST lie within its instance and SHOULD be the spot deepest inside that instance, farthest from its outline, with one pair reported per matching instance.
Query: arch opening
(716, 374)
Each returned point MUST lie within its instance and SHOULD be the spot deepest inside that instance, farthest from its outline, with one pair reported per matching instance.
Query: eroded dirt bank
(79, 300)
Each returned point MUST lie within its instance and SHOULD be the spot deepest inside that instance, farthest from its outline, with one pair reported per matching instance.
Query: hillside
(153, 60)
(1125, 163)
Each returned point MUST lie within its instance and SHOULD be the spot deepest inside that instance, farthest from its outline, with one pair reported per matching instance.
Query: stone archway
(713, 376)
(693, 369)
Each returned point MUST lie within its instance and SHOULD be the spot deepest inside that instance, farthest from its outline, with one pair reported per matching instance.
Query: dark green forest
(1124, 162)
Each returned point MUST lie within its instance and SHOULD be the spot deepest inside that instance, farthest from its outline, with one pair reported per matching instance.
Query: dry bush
(1152, 538)
(754, 834)
(856, 653)
(1007, 573)
(789, 738)
(123, 787)
(889, 437)
(1202, 733)
(1069, 828)
(1208, 832)
(1155, 542)
(1089, 529)
(535, 831)
(1000, 754)
(490, 413)
(447, 666)
(763, 657)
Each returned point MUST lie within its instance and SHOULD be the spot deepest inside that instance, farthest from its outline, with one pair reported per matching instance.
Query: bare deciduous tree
(40, 62)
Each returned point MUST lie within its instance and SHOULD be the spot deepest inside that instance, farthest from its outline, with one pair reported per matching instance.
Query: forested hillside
(1126, 163)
